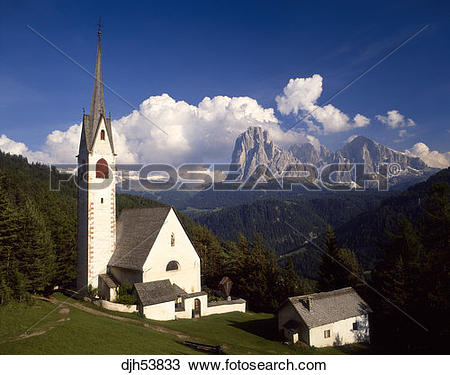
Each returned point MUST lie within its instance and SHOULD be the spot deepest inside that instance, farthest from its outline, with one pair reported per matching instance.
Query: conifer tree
(330, 270)
(339, 268)
(9, 234)
(37, 253)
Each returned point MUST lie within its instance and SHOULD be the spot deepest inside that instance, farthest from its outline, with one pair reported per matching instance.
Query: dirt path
(90, 310)
(63, 308)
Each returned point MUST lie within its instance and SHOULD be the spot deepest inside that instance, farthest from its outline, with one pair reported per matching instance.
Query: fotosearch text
(224, 177)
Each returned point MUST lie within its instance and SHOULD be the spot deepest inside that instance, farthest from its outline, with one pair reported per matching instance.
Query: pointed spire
(91, 121)
(98, 100)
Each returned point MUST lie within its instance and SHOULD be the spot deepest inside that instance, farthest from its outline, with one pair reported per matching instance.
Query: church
(147, 248)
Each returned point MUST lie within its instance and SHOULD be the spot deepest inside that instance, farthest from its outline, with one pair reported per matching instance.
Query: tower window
(172, 239)
(172, 266)
(102, 135)
(101, 200)
(102, 169)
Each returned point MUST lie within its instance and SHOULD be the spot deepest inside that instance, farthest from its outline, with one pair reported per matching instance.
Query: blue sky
(190, 50)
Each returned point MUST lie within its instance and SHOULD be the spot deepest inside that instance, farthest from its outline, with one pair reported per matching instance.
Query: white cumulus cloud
(18, 148)
(394, 119)
(299, 98)
(202, 133)
(433, 159)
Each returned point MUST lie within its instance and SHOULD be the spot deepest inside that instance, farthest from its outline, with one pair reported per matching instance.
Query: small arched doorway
(196, 312)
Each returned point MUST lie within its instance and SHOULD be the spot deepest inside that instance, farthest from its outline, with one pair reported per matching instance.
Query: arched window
(172, 266)
(102, 169)
(102, 135)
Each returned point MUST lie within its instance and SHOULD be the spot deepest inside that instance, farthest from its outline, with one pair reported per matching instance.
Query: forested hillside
(366, 232)
(310, 214)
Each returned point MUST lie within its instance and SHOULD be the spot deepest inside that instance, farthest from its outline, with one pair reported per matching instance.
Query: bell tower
(96, 187)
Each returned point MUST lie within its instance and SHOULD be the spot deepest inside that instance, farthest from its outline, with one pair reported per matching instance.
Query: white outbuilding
(334, 318)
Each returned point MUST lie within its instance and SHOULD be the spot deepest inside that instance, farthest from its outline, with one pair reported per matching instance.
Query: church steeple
(98, 100)
(96, 239)
(91, 121)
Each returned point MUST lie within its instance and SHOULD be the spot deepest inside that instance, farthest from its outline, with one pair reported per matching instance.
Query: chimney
(309, 303)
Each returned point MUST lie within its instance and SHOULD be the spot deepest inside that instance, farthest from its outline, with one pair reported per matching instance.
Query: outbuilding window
(179, 303)
(326, 334)
(172, 266)
(355, 326)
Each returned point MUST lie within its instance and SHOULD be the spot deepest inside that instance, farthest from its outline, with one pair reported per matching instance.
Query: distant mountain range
(254, 147)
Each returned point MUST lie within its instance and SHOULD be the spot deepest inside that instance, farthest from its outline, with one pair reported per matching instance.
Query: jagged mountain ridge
(254, 147)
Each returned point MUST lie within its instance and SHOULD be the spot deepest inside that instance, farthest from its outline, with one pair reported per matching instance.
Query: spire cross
(99, 30)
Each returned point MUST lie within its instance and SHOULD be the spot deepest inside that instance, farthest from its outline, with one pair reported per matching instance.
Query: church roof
(154, 292)
(97, 110)
(329, 307)
(137, 230)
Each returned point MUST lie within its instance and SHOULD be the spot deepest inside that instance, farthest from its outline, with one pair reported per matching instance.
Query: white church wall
(187, 276)
(341, 332)
(102, 210)
(161, 311)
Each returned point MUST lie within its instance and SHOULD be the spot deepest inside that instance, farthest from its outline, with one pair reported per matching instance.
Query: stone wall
(222, 307)
(115, 306)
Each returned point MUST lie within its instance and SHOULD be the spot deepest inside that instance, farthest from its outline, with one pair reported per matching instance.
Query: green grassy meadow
(69, 330)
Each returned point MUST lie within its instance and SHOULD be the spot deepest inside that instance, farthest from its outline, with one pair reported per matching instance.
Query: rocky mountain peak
(254, 147)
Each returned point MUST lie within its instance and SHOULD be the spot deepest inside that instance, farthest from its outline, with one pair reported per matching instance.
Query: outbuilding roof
(327, 307)
(137, 230)
(154, 292)
(109, 281)
(178, 291)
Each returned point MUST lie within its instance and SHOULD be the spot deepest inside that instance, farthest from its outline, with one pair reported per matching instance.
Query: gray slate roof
(329, 307)
(97, 110)
(178, 291)
(137, 230)
(109, 281)
(154, 292)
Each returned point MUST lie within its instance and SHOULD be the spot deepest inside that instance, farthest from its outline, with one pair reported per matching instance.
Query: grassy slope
(86, 333)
